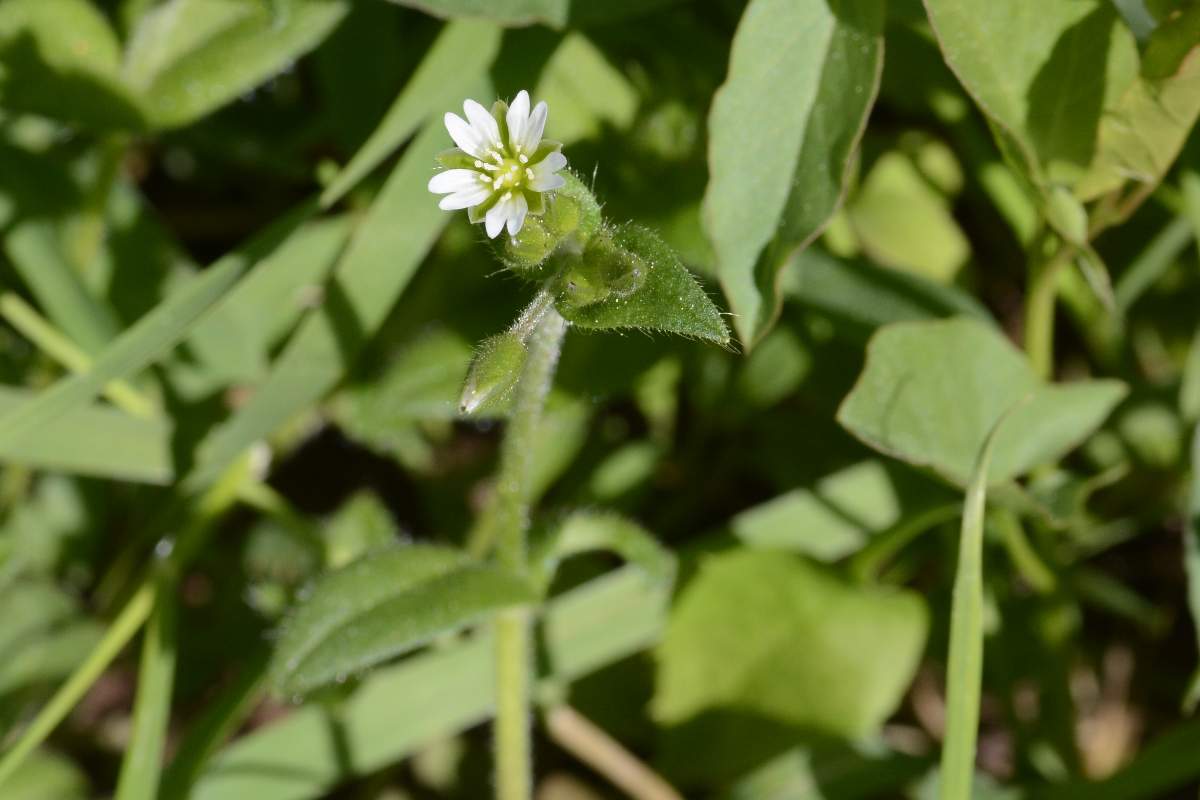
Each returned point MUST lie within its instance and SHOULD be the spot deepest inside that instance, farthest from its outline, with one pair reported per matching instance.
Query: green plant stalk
(1040, 297)
(141, 769)
(34, 327)
(514, 658)
(964, 665)
(133, 615)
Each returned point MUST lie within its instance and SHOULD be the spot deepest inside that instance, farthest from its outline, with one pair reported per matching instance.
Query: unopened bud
(493, 374)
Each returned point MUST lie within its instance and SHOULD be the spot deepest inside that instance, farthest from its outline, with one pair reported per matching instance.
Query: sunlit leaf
(931, 392)
(802, 78)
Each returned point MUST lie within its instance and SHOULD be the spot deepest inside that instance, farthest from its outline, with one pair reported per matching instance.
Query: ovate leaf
(770, 634)
(189, 57)
(631, 278)
(1141, 135)
(384, 605)
(802, 78)
(1044, 72)
(931, 391)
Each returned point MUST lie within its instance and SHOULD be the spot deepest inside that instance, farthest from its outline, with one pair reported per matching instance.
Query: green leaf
(839, 514)
(429, 696)
(894, 201)
(610, 99)
(444, 77)
(554, 13)
(1045, 73)
(138, 346)
(189, 57)
(1144, 130)
(45, 776)
(931, 391)
(630, 278)
(964, 664)
(769, 634)
(91, 440)
(802, 79)
(868, 296)
(384, 605)
(62, 59)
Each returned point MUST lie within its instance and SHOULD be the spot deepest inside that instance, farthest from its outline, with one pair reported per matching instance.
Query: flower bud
(493, 374)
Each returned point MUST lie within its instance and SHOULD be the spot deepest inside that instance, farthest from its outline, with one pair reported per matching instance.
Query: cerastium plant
(588, 274)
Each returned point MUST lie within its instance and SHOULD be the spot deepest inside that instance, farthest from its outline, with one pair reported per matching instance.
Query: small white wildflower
(501, 166)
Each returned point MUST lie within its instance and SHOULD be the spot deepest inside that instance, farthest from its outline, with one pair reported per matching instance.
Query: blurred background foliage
(213, 214)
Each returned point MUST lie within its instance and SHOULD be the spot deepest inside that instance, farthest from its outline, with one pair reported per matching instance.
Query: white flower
(501, 166)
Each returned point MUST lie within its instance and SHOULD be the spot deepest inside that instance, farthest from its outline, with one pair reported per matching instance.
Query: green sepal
(628, 277)
(453, 158)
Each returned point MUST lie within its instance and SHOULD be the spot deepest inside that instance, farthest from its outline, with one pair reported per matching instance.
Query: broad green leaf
(802, 78)
(867, 296)
(931, 391)
(632, 279)
(457, 57)
(91, 440)
(189, 57)
(62, 59)
(894, 203)
(378, 263)
(1044, 72)
(771, 635)
(384, 605)
(138, 346)
(964, 663)
(361, 525)
(431, 695)
(1144, 130)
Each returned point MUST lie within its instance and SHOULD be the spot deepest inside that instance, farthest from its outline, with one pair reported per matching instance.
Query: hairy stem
(513, 654)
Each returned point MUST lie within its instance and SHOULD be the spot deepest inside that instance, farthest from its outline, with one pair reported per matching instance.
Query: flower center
(503, 171)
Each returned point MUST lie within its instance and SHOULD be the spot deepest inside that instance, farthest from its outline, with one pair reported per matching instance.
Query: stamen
(529, 173)
(484, 178)
(490, 167)
(496, 183)
(507, 196)
(478, 163)
(524, 158)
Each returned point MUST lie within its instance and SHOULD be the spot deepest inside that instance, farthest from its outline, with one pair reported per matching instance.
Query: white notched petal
(516, 216)
(518, 118)
(463, 135)
(485, 127)
(544, 178)
(537, 124)
(495, 218)
(465, 198)
(454, 180)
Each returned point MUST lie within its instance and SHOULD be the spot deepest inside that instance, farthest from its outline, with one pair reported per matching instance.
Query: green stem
(1040, 296)
(56, 344)
(513, 652)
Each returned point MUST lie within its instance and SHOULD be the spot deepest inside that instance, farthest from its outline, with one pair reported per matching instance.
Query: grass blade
(964, 666)
(142, 765)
